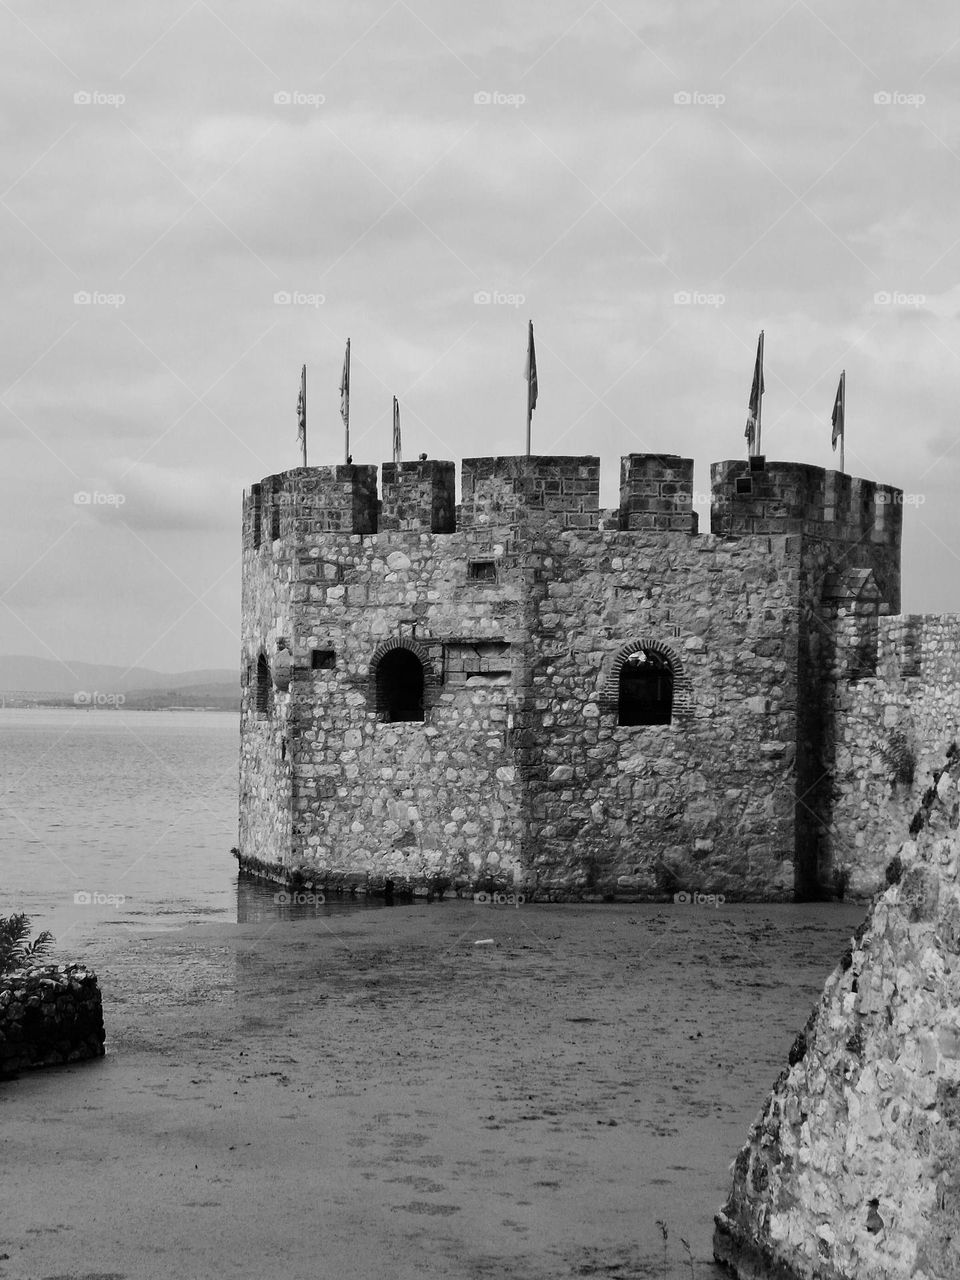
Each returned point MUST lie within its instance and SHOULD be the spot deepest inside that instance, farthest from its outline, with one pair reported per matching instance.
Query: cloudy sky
(787, 166)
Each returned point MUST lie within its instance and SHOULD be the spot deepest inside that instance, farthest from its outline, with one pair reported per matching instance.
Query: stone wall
(860, 520)
(852, 1170)
(521, 612)
(49, 1015)
(705, 802)
(890, 733)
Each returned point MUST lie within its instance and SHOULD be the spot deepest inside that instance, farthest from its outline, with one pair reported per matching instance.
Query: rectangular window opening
(482, 570)
(323, 659)
(745, 485)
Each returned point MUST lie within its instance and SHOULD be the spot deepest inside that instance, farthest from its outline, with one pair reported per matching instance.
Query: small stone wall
(852, 1170)
(49, 1015)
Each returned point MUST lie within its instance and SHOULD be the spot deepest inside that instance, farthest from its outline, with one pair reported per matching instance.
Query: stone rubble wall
(892, 734)
(861, 520)
(852, 1170)
(266, 777)
(521, 773)
(49, 1015)
(704, 804)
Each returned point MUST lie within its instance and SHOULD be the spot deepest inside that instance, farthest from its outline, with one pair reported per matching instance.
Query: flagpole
(531, 374)
(304, 415)
(346, 416)
(843, 410)
(760, 397)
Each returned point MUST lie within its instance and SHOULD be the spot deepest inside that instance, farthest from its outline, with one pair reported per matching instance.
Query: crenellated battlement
(306, 501)
(418, 497)
(862, 519)
(752, 497)
(656, 493)
(498, 491)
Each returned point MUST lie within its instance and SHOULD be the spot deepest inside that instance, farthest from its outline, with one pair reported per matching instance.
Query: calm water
(132, 805)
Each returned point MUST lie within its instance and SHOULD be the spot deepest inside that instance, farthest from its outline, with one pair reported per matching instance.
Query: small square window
(482, 570)
(323, 659)
(745, 485)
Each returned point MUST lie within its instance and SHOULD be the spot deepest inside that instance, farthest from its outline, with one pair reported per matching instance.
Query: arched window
(263, 685)
(400, 685)
(646, 689)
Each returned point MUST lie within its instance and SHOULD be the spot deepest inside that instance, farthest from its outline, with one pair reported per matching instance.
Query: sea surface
(124, 819)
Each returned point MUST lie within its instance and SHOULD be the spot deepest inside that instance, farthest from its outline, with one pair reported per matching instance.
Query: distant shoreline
(13, 702)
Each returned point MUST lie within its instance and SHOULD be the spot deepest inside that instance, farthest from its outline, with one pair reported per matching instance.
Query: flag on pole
(752, 429)
(839, 414)
(345, 400)
(530, 373)
(396, 430)
(302, 414)
(838, 407)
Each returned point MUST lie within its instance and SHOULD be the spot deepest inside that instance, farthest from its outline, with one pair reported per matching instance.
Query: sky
(200, 196)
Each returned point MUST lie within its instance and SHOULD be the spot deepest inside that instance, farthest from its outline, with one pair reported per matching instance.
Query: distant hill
(20, 674)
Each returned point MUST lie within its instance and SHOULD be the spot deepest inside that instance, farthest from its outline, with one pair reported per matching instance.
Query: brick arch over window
(379, 690)
(682, 689)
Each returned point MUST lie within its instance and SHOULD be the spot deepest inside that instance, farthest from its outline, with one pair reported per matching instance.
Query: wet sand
(375, 1095)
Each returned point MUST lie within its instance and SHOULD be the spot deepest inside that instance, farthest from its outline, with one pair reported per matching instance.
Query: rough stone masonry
(524, 690)
(49, 1015)
(852, 1170)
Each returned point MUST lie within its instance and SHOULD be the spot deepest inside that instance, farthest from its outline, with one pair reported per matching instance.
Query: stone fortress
(528, 692)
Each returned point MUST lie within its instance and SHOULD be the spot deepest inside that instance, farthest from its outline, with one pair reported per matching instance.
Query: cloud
(150, 497)
(185, 392)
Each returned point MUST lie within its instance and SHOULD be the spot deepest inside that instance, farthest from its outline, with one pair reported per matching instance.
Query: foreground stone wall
(49, 1015)
(852, 1170)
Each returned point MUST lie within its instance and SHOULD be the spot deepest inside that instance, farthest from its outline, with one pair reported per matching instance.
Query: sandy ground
(375, 1095)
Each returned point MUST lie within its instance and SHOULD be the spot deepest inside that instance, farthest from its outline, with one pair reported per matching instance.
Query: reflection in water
(260, 903)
